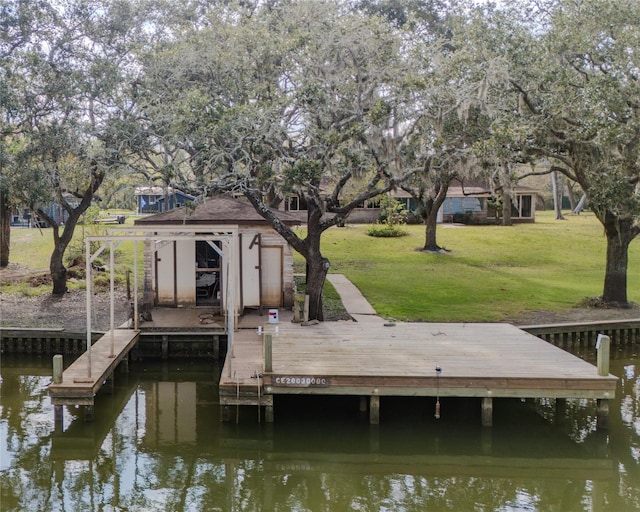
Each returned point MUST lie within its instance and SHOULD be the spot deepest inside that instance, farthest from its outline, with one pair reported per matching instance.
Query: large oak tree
(579, 94)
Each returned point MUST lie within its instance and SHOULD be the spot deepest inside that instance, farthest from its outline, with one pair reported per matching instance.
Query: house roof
(221, 209)
(473, 191)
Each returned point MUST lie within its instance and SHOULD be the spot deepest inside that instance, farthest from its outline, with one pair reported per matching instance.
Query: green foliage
(382, 230)
(392, 216)
(392, 211)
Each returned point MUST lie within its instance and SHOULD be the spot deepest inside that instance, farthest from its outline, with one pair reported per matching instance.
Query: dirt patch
(68, 312)
(576, 315)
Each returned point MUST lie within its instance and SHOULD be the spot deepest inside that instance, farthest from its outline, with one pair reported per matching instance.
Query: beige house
(221, 255)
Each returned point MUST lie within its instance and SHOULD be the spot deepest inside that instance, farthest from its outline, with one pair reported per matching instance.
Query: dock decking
(79, 386)
(372, 360)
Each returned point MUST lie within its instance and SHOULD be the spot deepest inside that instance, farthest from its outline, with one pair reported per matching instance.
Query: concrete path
(353, 301)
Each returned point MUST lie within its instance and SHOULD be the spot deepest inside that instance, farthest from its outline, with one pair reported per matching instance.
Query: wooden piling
(603, 346)
(58, 368)
(374, 409)
(268, 352)
(602, 414)
(487, 411)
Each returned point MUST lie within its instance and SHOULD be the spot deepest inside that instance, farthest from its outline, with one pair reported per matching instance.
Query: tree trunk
(620, 233)
(571, 194)
(431, 208)
(316, 274)
(506, 209)
(5, 227)
(61, 242)
(557, 195)
(431, 225)
(58, 270)
(317, 265)
(580, 206)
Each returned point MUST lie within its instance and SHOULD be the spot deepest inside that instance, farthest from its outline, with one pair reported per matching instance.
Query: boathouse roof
(222, 209)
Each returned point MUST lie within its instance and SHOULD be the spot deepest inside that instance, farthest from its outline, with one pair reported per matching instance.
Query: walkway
(352, 300)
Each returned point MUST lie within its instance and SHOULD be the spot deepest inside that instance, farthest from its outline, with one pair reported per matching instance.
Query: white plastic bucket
(273, 316)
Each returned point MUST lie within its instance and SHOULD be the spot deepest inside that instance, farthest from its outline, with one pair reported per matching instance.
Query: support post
(216, 347)
(58, 415)
(363, 404)
(88, 413)
(165, 346)
(602, 414)
(268, 409)
(487, 411)
(112, 307)
(88, 279)
(57, 369)
(305, 314)
(603, 345)
(268, 352)
(298, 299)
(225, 413)
(374, 409)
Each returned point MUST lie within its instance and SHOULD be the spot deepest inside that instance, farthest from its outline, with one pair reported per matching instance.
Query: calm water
(157, 444)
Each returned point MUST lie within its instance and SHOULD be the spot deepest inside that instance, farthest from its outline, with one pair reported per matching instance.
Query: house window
(294, 203)
(524, 206)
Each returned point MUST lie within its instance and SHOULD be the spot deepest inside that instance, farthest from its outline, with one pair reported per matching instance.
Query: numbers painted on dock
(300, 381)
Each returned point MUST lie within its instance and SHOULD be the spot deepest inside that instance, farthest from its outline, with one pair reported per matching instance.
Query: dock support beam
(268, 352)
(216, 347)
(487, 411)
(603, 346)
(58, 415)
(602, 414)
(268, 409)
(57, 368)
(374, 410)
(165, 346)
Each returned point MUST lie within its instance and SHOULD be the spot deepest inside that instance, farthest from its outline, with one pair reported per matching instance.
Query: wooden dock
(372, 360)
(86, 375)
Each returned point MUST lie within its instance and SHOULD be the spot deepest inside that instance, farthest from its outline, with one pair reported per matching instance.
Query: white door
(271, 275)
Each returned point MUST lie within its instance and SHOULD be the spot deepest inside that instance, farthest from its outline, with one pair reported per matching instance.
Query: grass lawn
(491, 273)
(32, 248)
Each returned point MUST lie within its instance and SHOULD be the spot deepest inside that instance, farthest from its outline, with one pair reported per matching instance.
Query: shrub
(386, 231)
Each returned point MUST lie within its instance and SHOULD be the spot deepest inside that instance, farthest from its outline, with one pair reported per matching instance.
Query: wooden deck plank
(364, 358)
(76, 381)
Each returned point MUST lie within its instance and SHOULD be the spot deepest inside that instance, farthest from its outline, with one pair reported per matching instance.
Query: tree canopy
(335, 101)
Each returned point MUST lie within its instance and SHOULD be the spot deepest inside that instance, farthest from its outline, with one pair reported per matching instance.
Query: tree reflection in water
(158, 444)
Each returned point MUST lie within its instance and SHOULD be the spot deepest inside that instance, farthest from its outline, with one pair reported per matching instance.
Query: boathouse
(200, 257)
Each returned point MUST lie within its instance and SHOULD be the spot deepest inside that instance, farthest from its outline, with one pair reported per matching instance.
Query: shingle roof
(221, 209)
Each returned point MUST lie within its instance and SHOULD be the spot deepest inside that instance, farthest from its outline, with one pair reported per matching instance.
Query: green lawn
(491, 273)
(32, 248)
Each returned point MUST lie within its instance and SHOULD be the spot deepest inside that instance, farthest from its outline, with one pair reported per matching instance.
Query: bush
(386, 231)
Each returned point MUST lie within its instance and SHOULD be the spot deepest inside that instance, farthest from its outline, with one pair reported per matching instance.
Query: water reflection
(158, 443)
